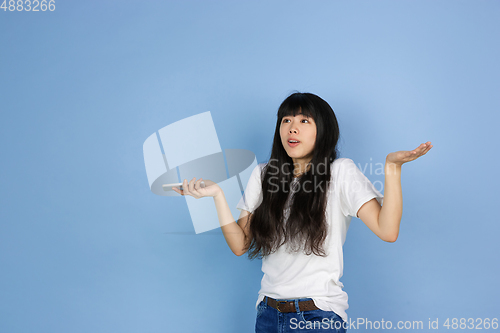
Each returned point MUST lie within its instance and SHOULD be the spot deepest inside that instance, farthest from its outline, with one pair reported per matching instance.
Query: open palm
(403, 156)
(194, 189)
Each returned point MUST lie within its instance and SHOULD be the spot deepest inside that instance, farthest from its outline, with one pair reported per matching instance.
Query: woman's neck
(301, 169)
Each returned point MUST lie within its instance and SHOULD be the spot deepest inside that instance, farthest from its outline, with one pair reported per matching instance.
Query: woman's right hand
(194, 189)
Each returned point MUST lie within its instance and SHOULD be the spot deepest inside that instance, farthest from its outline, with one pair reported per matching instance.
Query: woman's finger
(422, 147)
(177, 190)
(191, 184)
(197, 185)
(427, 146)
(195, 189)
(185, 187)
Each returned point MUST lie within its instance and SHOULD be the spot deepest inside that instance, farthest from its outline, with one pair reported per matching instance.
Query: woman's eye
(285, 120)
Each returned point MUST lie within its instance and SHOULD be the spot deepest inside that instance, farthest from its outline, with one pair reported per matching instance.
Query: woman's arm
(384, 221)
(235, 233)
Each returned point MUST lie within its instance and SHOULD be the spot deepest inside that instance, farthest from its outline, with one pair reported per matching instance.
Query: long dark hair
(306, 228)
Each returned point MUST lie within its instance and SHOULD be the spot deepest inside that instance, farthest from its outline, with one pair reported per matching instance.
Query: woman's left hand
(403, 156)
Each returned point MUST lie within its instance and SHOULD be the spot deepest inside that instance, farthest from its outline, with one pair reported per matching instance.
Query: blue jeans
(270, 320)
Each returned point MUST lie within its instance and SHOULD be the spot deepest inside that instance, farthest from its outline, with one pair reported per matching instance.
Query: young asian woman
(295, 213)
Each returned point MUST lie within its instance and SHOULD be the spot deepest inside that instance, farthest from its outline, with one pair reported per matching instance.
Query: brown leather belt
(289, 306)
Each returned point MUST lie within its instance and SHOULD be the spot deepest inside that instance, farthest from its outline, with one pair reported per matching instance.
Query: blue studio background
(86, 247)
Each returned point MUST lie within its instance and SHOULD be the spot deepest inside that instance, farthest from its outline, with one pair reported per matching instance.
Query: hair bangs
(297, 104)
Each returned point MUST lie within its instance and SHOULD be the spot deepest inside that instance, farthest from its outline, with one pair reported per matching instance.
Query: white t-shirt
(296, 275)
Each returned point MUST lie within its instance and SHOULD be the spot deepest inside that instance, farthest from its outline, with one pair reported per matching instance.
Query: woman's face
(303, 129)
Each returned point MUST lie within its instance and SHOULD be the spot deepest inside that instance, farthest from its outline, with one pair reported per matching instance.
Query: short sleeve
(252, 198)
(355, 189)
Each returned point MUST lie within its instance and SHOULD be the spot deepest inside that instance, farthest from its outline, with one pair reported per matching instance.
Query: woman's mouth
(293, 143)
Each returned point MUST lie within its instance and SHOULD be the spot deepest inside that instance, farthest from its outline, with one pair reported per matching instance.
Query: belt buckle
(278, 305)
